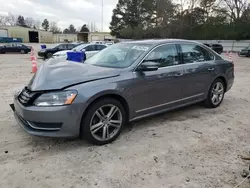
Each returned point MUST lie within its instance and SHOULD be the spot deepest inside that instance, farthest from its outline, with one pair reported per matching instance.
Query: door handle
(210, 69)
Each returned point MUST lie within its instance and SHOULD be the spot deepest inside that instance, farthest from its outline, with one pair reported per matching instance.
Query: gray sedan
(122, 83)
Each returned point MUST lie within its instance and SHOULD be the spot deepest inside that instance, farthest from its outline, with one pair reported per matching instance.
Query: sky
(64, 12)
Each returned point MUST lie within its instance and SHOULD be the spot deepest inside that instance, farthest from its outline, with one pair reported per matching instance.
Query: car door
(161, 89)
(62, 47)
(70, 46)
(198, 65)
(90, 50)
(8, 48)
(18, 48)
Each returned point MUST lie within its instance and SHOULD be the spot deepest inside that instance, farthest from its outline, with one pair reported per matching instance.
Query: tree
(189, 19)
(66, 31)
(54, 28)
(10, 20)
(72, 28)
(20, 21)
(84, 28)
(45, 24)
(30, 22)
(37, 24)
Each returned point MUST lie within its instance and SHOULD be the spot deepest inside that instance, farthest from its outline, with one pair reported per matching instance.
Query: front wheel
(103, 121)
(49, 55)
(22, 52)
(216, 94)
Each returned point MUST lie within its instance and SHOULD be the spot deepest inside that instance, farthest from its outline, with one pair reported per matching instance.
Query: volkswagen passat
(122, 83)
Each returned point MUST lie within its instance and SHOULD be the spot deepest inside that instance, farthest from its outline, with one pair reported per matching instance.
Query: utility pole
(102, 15)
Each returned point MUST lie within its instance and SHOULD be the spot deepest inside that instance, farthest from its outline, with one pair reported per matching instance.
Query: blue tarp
(10, 40)
(43, 46)
(76, 56)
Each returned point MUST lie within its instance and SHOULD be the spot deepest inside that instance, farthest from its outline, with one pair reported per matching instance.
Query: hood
(64, 52)
(55, 75)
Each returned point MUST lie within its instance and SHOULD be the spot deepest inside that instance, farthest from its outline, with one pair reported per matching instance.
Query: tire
(96, 135)
(49, 55)
(212, 101)
(22, 51)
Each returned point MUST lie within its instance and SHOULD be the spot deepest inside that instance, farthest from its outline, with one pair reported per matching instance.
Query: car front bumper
(243, 53)
(61, 121)
(41, 54)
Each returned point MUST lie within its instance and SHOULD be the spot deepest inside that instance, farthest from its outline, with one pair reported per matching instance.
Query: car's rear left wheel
(216, 94)
(103, 121)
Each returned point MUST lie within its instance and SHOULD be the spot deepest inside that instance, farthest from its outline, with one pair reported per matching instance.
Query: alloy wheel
(106, 122)
(217, 93)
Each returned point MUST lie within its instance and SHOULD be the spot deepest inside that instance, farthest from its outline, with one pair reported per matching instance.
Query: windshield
(119, 55)
(79, 48)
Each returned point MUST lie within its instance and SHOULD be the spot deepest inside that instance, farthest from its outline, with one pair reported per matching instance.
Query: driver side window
(165, 55)
(62, 47)
(90, 48)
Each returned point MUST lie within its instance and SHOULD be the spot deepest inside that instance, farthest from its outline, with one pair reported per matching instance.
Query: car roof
(158, 41)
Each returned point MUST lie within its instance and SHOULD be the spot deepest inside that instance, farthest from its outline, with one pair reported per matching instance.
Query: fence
(228, 45)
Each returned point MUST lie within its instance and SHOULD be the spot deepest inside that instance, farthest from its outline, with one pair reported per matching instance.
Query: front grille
(27, 97)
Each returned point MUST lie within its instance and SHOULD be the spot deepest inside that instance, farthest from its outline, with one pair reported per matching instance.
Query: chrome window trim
(177, 53)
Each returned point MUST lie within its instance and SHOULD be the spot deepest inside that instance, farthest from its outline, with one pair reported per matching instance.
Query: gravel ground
(192, 147)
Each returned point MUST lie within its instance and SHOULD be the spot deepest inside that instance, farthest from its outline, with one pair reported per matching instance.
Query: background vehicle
(15, 48)
(103, 42)
(245, 52)
(90, 50)
(48, 52)
(124, 82)
(216, 47)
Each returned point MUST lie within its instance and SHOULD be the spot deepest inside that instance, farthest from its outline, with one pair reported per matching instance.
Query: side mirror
(148, 66)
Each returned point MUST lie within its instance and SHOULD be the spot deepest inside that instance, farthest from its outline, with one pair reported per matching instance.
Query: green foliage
(84, 28)
(45, 24)
(70, 30)
(20, 21)
(204, 19)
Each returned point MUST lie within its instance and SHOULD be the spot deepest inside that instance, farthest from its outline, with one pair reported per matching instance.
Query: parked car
(245, 52)
(15, 48)
(97, 98)
(48, 52)
(90, 50)
(216, 47)
(103, 42)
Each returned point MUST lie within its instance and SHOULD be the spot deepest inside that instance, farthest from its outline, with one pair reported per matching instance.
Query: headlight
(56, 98)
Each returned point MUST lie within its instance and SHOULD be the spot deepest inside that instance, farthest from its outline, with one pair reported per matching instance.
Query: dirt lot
(162, 151)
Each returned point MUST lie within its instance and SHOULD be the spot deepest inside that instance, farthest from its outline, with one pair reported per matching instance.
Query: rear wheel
(103, 121)
(216, 94)
(22, 52)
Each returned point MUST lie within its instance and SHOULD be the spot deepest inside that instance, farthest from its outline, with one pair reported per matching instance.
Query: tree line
(187, 19)
(12, 20)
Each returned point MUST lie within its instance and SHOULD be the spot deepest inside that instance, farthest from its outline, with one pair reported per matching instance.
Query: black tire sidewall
(209, 102)
(85, 125)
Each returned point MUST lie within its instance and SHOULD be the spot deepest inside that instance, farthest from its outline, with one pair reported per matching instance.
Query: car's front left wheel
(103, 121)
